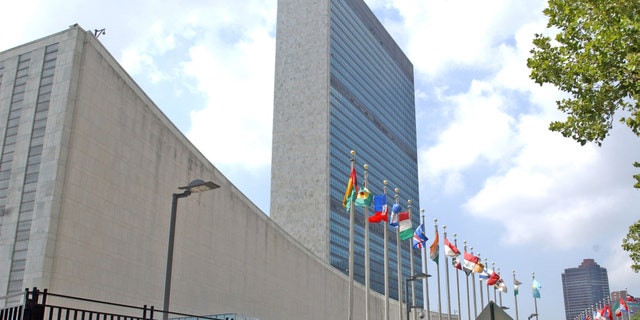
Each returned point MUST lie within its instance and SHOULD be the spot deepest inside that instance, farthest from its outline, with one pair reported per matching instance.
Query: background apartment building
(583, 287)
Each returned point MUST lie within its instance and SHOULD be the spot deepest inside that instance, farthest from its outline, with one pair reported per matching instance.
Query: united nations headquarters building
(103, 198)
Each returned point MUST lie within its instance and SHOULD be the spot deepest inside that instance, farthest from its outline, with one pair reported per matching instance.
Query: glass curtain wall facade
(372, 111)
(584, 287)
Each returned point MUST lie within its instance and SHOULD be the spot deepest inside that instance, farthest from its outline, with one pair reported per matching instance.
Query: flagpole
(500, 291)
(426, 271)
(495, 294)
(435, 225)
(480, 287)
(628, 308)
(399, 255)
(488, 296)
(473, 284)
(446, 275)
(386, 258)
(455, 243)
(367, 271)
(535, 300)
(515, 295)
(411, 271)
(351, 239)
(467, 280)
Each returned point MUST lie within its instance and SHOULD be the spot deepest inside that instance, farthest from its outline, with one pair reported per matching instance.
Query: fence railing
(35, 307)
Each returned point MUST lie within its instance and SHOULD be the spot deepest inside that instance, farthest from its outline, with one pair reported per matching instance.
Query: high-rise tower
(583, 287)
(341, 84)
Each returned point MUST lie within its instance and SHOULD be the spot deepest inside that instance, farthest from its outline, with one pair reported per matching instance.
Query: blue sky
(526, 198)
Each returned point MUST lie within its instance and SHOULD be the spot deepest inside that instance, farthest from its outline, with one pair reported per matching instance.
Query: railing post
(32, 310)
(144, 313)
(44, 297)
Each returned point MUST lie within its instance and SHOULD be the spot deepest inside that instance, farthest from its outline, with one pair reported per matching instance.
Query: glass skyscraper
(583, 287)
(342, 84)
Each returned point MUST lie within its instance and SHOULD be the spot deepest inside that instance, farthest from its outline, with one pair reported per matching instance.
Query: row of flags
(467, 262)
(360, 196)
(606, 312)
(470, 263)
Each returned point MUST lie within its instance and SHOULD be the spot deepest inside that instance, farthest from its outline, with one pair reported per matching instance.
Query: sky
(525, 198)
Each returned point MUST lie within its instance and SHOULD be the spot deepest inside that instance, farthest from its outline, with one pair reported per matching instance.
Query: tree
(595, 58)
(631, 244)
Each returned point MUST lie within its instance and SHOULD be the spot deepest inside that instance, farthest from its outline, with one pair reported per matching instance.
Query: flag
(623, 305)
(493, 279)
(536, 288)
(381, 209)
(485, 274)
(449, 249)
(434, 251)
(419, 238)
(351, 185)
(351, 199)
(470, 262)
(455, 261)
(501, 286)
(404, 223)
(618, 309)
(395, 210)
(516, 283)
(606, 312)
(630, 298)
(478, 268)
(363, 199)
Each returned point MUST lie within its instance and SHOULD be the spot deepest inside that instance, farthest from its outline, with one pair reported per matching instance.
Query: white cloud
(459, 34)
(237, 80)
(541, 187)
(479, 131)
(555, 194)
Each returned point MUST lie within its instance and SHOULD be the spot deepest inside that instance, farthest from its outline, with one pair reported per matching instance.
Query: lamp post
(194, 186)
(417, 276)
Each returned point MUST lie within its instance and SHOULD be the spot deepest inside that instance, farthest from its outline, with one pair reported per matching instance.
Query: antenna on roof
(99, 32)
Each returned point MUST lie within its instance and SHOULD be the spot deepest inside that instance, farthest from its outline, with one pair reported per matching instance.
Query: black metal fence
(35, 307)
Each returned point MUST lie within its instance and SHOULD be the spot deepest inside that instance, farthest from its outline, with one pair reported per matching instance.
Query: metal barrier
(11, 313)
(35, 307)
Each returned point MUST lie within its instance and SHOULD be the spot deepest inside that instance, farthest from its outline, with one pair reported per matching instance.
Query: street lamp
(417, 276)
(194, 186)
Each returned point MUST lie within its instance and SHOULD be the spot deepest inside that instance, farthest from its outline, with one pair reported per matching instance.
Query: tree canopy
(631, 244)
(595, 57)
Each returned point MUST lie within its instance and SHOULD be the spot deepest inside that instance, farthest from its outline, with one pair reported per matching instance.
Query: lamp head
(420, 276)
(198, 185)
